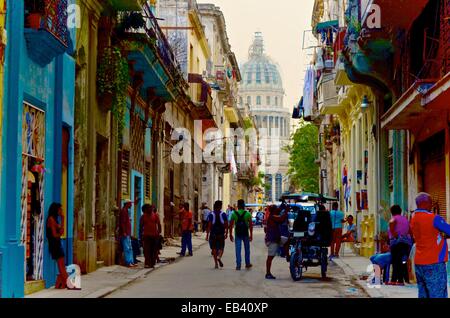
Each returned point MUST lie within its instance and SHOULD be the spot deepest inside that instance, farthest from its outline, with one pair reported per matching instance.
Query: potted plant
(35, 10)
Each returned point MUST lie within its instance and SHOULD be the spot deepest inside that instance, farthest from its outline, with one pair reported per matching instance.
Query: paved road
(195, 277)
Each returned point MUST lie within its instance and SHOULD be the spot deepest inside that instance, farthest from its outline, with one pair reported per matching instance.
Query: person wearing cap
(125, 233)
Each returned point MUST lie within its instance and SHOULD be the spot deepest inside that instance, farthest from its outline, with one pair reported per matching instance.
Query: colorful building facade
(38, 129)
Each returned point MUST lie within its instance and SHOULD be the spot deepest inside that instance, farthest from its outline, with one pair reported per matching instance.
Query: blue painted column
(12, 279)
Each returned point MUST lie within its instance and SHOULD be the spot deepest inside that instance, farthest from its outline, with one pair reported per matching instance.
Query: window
(266, 74)
(276, 101)
(258, 74)
(278, 186)
(249, 78)
(125, 171)
(249, 100)
(258, 100)
(268, 100)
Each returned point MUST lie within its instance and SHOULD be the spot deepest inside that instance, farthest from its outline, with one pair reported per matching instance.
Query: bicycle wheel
(295, 266)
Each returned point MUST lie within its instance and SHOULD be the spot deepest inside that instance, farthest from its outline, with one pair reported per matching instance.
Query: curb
(348, 270)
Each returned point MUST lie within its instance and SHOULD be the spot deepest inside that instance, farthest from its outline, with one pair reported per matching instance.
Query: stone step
(100, 264)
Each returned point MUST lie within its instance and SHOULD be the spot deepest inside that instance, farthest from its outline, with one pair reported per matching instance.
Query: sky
(282, 24)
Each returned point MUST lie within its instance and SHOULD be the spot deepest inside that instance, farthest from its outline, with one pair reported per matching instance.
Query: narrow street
(195, 277)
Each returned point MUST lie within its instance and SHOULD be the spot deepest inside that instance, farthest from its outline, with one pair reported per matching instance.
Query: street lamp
(365, 103)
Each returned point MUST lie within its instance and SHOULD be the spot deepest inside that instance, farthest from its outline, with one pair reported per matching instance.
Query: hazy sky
(282, 23)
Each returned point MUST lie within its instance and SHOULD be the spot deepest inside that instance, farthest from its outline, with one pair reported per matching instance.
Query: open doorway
(137, 196)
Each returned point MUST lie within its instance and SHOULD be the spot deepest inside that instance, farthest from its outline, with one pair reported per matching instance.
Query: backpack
(241, 225)
(218, 225)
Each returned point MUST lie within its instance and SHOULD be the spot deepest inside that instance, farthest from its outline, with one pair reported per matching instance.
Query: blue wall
(50, 88)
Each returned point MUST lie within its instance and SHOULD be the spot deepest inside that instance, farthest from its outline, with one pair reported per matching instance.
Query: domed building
(262, 90)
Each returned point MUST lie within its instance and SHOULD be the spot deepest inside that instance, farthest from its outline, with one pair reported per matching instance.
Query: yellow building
(347, 118)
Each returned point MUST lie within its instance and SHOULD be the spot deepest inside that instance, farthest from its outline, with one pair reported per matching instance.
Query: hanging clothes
(308, 92)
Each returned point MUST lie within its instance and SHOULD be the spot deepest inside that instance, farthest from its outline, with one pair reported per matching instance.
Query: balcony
(327, 95)
(46, 32)
(150, 53)
(200, 94)
(341, 77)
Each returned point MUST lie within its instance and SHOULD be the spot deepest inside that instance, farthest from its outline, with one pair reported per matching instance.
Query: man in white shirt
(205, 213)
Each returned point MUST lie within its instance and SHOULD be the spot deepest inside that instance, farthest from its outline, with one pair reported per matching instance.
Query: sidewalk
(356, 266)
(106, 280)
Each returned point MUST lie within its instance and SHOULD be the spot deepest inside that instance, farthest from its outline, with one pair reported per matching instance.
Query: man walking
(337, 221)
(241, 220)
(151, 230)
(431, 249)
(125, 233)
(217, 232)
(187, 226)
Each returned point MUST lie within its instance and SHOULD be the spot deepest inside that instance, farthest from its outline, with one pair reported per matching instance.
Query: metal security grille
(32, 218)
(432, 153)
(148, 182)
(391, 169)
(125, 171)
(137, 132)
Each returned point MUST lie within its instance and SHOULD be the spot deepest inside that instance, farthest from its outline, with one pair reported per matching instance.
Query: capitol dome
(260, 72)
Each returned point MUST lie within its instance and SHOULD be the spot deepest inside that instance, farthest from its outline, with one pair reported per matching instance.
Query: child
(349, 235)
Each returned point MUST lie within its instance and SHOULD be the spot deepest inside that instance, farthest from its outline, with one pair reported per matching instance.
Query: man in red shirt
(151, 230)
(187, 226)
(431, 249)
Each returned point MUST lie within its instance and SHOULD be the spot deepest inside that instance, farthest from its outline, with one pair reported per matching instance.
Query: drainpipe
(379, 165)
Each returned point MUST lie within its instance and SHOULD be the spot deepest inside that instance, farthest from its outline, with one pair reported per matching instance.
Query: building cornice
(199, 32)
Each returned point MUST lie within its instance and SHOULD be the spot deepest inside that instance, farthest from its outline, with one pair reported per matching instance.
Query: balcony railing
(50, 16)
(46, 30)
(154, 31)
(199, 91)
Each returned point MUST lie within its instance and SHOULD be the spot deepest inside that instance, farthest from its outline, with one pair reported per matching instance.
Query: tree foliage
(303, 170)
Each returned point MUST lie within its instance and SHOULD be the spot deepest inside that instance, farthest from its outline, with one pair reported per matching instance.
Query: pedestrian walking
(205, 213)
(400, 243)
(337, 220)
(125, 233)
(431, 252)
(217, 232)
(241, 221)
(187, 226)
(151, 230)
(273, 237)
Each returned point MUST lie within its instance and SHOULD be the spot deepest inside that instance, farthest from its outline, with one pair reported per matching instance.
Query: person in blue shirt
(337, 220)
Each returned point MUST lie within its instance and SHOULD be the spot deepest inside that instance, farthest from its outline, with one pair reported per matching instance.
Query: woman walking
(54, 232)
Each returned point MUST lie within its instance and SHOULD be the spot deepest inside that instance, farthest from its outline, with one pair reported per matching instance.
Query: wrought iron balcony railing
(154, 31)
(46, 31)
(49, 15)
